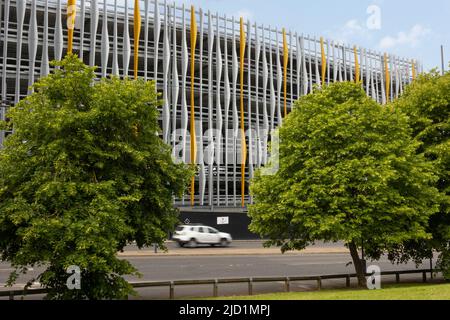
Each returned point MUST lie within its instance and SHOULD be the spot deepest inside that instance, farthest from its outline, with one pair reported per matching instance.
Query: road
(193, 266)
(186, 263)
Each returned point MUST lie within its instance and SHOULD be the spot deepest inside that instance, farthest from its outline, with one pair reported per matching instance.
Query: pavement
(237, 248)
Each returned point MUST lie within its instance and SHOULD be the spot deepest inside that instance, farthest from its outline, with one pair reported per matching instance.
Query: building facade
(226, 83)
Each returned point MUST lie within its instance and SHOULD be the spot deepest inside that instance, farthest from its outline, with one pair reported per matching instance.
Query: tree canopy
(84, 174)
(427, 104)
(348, 171)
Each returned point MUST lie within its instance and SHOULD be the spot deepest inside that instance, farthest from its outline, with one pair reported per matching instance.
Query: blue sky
(409, 28)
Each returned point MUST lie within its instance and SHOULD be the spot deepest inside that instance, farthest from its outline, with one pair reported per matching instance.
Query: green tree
(83, 174)
(427, 103)
(348, 171)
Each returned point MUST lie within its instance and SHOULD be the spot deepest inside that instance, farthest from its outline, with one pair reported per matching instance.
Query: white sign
(223, 220)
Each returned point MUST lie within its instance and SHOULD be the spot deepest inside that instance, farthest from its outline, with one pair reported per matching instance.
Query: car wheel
(224, 243)
(181, 244)
(192, 243)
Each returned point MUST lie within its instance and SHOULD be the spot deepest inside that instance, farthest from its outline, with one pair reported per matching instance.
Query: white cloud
(411, 38)
(353, 26)
(244, 13)
(353, 30)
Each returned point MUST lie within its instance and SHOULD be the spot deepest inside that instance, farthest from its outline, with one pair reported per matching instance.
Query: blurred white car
(193, 235)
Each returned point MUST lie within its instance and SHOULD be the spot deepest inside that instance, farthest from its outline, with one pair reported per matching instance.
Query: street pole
(442, 59)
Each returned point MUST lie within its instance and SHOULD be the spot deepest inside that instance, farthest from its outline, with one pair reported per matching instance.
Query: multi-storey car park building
(245, 75)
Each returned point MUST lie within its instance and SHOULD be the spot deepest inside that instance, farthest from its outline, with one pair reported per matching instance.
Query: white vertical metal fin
(126, 55)
(341, 67)
(157, 34)
(391, 68)
(166, 68)
(367, 72)
(210, 111)
(383, 76)
(299, 66)
(316, 63)
(344, 63)
(235, 74)
(249, 102)
(105, 40)
(273, 101)
(351, 63)
(175, 83)
(291, 68)
(304, 69)
(146, 27)
(265, 140)
(375, 76)
(342, 73)
(397, 78)
(399, 75)
(33, 39)
(81, 24)
(361, 66)
(115, 65)
(184, 70)
(402, 75)
(20, 7)
(258, 140)
(93, 31)
(58, 36)
(200, 143)
(45, 64)
(328, 62)
(371, 77)
(81, 21)
(409, 69)
(4, 56)
(310, 71)
(409, 74)
(227, 98)
(335, 62)
(219, 117)
(279, 81)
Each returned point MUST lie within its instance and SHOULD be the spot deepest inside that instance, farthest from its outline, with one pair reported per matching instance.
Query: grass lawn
(392, 292)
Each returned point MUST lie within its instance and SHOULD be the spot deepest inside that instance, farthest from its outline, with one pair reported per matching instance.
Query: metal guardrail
(250, 281)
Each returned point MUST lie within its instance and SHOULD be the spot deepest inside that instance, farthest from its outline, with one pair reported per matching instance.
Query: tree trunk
(360, 272)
